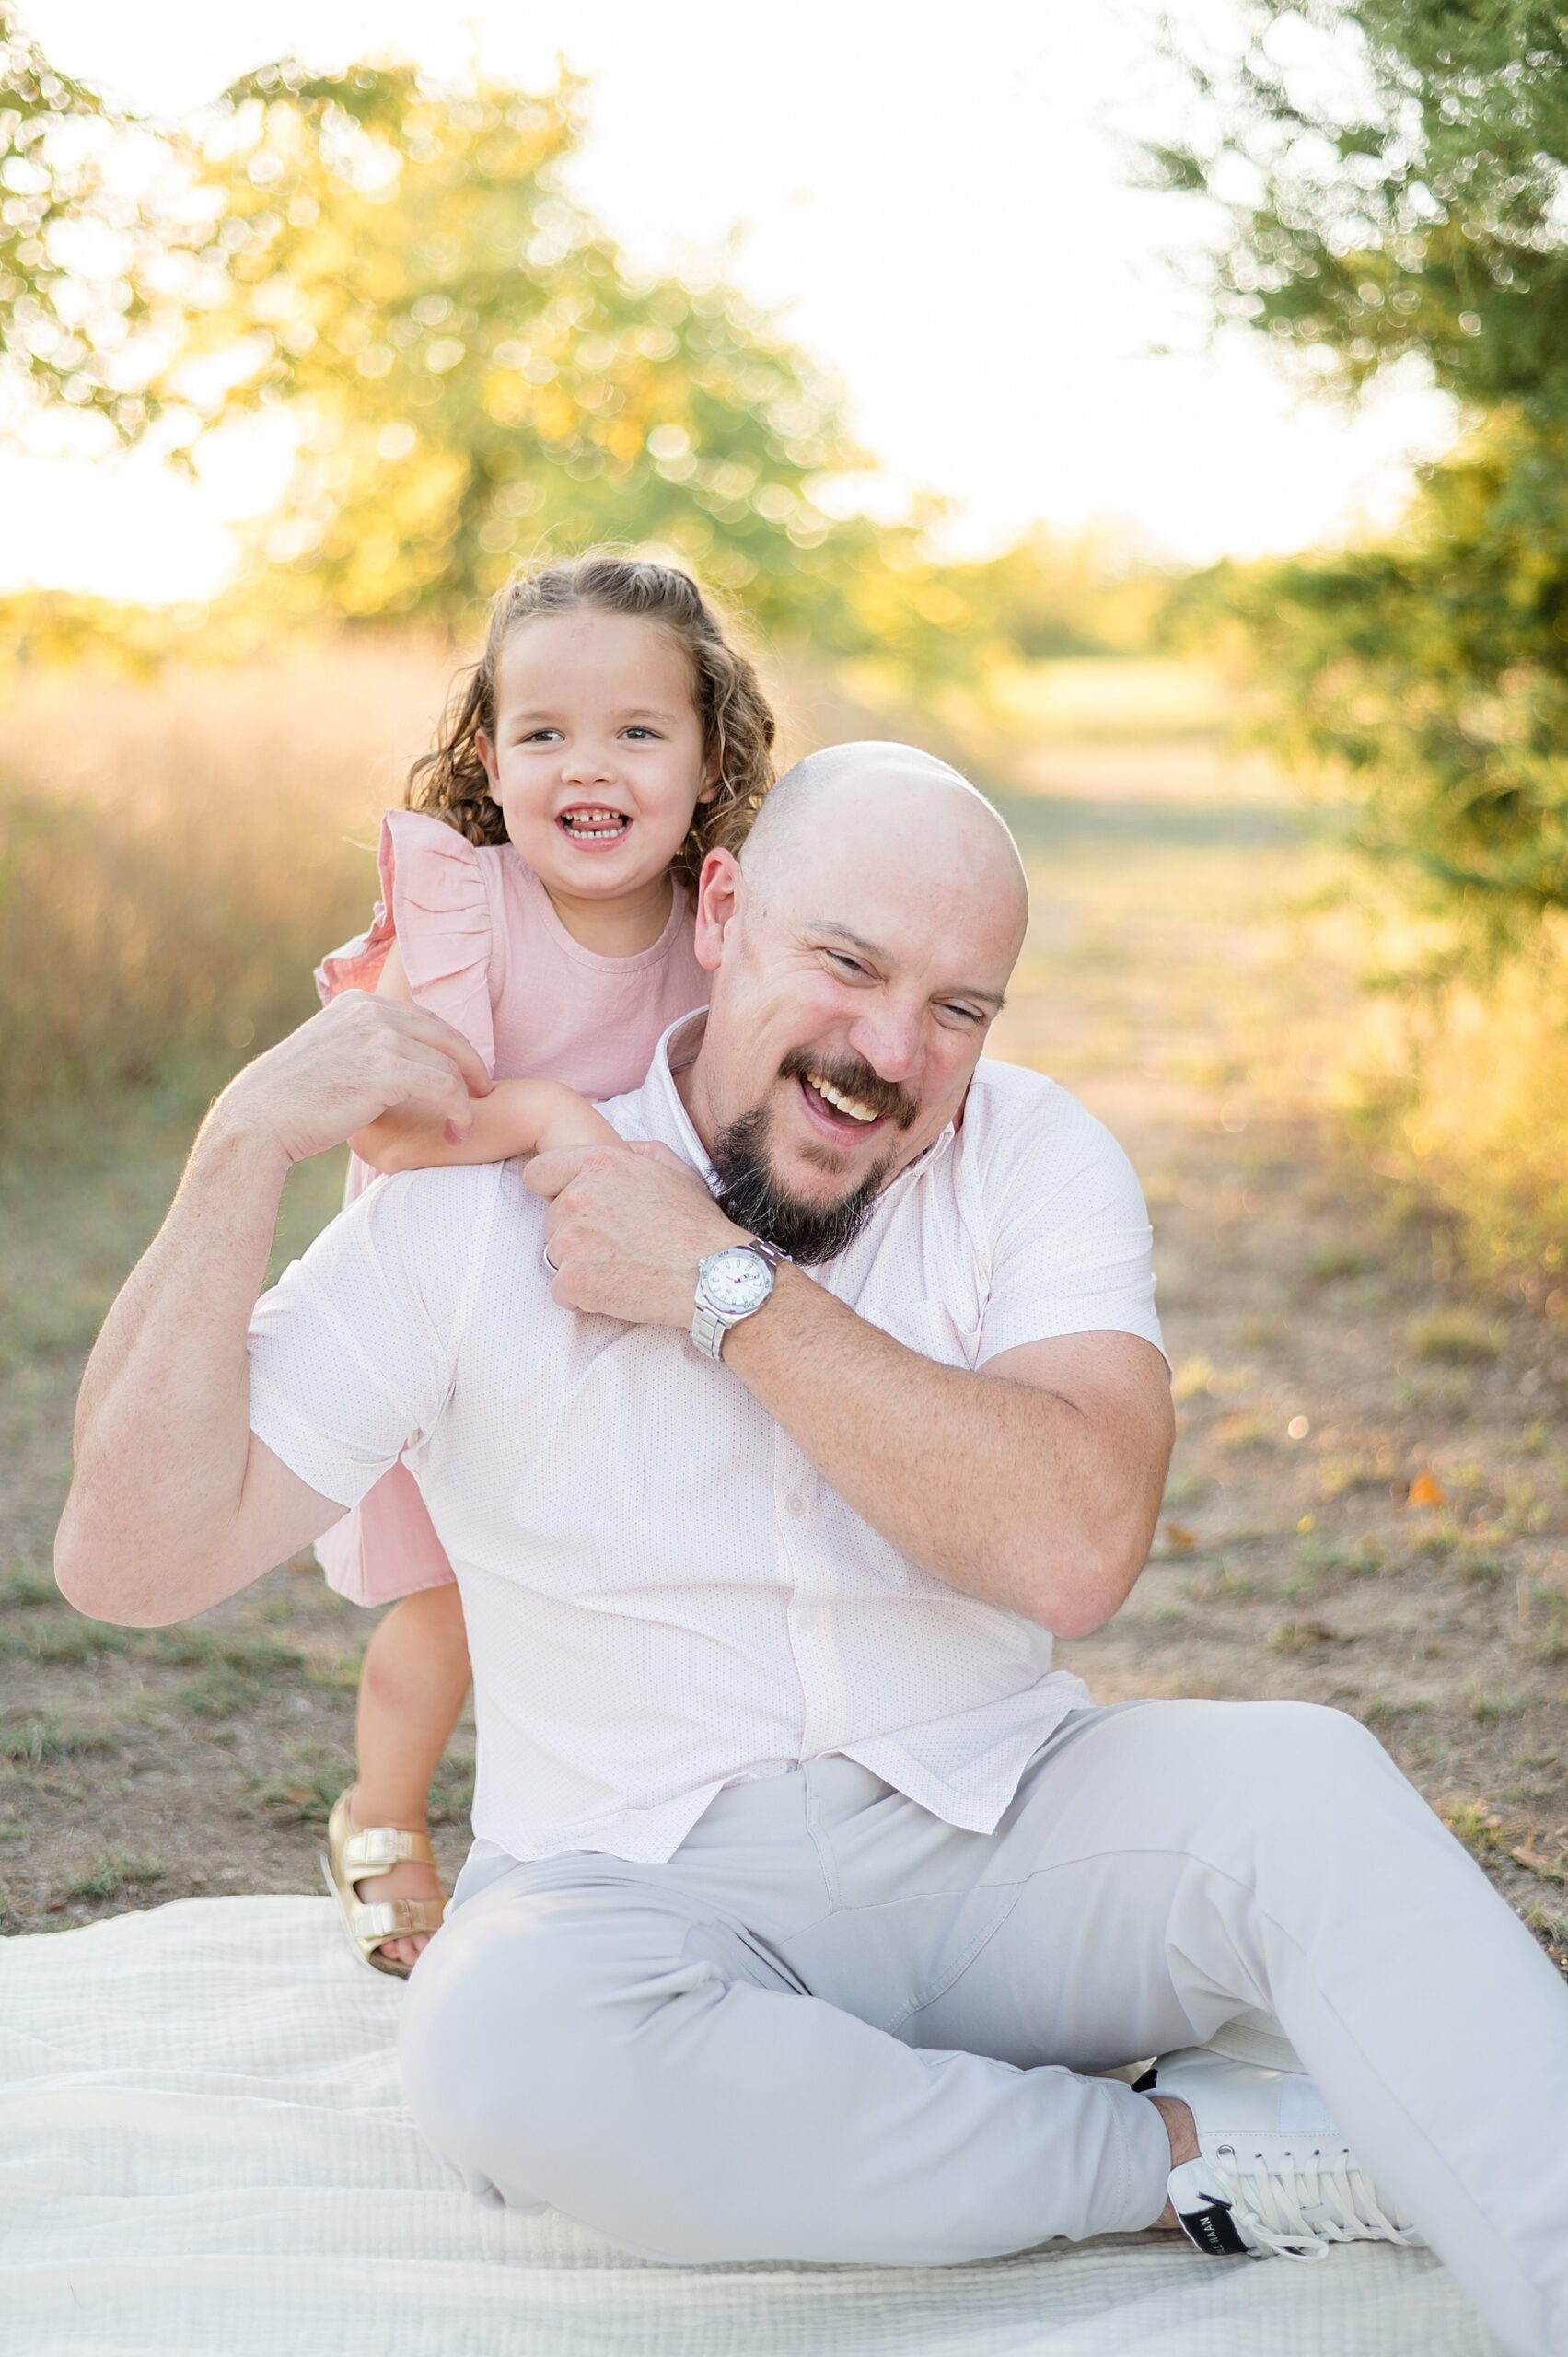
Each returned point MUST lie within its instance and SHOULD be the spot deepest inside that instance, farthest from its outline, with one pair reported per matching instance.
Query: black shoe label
(1212, 2230)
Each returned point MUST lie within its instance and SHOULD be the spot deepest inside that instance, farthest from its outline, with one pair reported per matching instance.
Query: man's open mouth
(834, 1104)
(594, 823)
(845, 1099)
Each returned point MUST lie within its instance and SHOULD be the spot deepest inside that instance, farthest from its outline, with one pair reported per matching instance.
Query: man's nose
(892, 1043)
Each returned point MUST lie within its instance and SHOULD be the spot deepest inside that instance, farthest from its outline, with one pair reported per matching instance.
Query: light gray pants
(833, 2028)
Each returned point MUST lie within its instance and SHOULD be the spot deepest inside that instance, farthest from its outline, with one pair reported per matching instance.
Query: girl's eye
(636, 729)
(538, 736)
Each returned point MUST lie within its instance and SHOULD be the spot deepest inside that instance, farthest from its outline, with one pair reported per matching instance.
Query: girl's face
(596, 761)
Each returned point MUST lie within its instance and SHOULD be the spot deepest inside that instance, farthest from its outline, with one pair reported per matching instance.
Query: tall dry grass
(1462, 1090)
(177, 851)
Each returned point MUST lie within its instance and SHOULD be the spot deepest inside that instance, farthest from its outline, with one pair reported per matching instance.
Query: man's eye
(966, 1014)
(850, 965)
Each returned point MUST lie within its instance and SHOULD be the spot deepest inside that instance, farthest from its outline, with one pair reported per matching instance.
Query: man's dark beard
(751, 1196)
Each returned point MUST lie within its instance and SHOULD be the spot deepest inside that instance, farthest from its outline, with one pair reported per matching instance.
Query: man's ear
(721, 887)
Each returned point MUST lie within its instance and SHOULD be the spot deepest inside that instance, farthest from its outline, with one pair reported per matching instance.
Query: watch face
(735, 1281)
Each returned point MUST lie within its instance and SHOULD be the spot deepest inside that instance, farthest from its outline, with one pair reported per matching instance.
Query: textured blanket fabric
(203, 2149)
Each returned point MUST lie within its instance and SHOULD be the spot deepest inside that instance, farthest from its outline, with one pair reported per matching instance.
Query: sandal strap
(393, 1919)
(375, 1849)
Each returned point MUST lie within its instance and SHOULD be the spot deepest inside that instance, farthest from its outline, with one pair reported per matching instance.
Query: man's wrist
(230, 1141)
(744, 1269)
(738, 1338)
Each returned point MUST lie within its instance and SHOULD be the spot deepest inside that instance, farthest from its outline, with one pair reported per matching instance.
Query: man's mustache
(853, 1077)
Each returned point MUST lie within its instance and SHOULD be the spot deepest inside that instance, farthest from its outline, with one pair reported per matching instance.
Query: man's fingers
(425, 1076)
(653, 1150)
(417, 1027)
(547, 1174)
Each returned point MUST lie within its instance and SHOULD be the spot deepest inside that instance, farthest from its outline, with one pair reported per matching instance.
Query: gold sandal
(367, 1854)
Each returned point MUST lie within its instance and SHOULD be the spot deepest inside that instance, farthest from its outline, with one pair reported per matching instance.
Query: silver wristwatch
(731, 1284)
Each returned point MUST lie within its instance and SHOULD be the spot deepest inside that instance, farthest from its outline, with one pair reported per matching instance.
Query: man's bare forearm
(162, 1425)
(173, 1507)
(1010, 1492)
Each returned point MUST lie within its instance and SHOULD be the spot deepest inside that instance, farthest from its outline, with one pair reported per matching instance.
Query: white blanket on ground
(204, 2153)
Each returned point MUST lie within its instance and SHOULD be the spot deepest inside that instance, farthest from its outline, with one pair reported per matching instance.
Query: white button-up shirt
(663, 1594)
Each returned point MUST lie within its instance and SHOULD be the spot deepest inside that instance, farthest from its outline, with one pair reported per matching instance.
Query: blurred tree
(469, 370)
(1390, 178)
(77, 242)
(474, 368)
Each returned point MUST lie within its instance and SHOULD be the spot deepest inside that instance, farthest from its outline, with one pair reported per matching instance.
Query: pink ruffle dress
(484, 949)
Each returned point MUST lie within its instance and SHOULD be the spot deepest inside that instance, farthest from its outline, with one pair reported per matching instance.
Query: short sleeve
(435, 903)
(351, 1354)
(1071, 1242)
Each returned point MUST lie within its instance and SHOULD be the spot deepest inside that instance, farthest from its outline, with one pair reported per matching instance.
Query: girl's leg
(410, 1690)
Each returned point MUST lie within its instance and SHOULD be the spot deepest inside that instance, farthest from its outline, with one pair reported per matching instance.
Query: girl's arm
(517, 1116)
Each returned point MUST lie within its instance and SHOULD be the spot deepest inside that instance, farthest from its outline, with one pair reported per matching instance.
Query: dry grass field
(1369, 1502)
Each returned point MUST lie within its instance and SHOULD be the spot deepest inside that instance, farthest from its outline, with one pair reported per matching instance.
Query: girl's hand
(517, 1117)
(563, 1119)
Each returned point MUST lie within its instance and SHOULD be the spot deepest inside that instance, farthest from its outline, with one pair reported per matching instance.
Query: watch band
(708, 1326)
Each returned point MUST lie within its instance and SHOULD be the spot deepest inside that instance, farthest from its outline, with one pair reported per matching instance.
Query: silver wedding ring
(548, 1263)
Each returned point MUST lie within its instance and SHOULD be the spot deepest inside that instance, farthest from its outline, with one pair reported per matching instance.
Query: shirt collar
(667, 1116)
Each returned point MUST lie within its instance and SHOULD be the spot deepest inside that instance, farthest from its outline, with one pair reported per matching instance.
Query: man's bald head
(859, 951)
(897, 803)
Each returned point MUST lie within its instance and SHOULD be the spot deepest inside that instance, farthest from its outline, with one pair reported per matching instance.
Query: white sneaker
(1276, 2178)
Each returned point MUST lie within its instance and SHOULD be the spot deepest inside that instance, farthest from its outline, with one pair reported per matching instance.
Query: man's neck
(688, 1079)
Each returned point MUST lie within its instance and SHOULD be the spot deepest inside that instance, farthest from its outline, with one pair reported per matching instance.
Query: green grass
(1304, 1636)
(1454, 1337)
(115, 1878)
(1331, 1262)
(1486, 1708)
(49, 1639)
(28, 1742)
(306, 1781)
(25, 1590)
(1473, 1823)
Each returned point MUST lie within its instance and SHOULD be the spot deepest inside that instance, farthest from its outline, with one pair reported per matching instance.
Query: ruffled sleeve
(435, 904)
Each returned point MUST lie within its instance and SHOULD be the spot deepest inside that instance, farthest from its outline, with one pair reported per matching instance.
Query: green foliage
(474, 367)
(1390, 175)
(74, 249)
(470, 372)
(1430, 675)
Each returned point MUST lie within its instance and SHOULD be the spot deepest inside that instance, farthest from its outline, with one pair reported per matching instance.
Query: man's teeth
(594, 823)
(849, 1105)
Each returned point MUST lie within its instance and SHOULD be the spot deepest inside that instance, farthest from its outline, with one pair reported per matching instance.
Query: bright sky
(935, 195)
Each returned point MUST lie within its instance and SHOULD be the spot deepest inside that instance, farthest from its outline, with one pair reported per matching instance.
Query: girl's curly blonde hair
(737, 720)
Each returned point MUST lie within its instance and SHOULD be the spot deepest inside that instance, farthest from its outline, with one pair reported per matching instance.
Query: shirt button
(797, 1502)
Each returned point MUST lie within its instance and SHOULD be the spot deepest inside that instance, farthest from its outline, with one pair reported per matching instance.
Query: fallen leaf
(1424, 1490)
(1177, 1534)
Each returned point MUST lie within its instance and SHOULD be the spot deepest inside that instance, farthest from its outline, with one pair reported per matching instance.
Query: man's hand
(353, 1061)
(626, 1231)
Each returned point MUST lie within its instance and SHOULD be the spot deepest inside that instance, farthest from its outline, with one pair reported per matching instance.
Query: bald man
(806, 1900)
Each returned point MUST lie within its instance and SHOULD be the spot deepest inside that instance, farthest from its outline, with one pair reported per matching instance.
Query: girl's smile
(597, 764)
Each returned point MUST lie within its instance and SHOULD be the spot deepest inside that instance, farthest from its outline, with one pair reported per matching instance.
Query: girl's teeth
(594, 823)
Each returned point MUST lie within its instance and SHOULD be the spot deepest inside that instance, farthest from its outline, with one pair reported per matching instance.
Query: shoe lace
(1299, 2203)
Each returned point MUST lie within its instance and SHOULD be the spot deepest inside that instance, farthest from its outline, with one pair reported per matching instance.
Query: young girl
(535, 894)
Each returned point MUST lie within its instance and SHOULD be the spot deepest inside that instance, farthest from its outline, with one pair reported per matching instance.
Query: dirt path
(1369, 1504)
